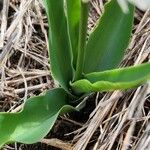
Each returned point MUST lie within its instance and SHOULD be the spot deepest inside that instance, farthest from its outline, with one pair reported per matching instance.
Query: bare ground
(110, 121)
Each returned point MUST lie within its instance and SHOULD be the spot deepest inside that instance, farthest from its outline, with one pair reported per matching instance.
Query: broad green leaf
(59, 43)
(73, 18)
(116, 79)
(106, 45)
(35, 120)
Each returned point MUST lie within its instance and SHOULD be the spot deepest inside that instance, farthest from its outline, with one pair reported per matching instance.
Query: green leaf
(106, 45)
(73, 19)
(110, 80)
(35, 120)
(82, 39)
(59, 43)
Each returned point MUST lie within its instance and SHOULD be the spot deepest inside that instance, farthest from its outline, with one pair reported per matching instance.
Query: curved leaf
(106, 45)
(36, 119)
(116, 79)
(73, 18)
(59, 43)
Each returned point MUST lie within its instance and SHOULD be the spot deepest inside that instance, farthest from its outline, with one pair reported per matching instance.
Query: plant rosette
(80, 65)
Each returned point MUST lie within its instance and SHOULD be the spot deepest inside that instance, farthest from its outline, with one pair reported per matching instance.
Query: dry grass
(120, 119)
(24, 66)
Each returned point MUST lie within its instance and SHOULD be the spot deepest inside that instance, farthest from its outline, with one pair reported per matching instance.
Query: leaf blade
(106, 45)
(116, 79)
(59, 43)
(82, 40)
(36, 119)
(73, 9)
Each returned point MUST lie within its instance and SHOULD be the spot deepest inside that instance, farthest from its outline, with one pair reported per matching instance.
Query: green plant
(80, 65)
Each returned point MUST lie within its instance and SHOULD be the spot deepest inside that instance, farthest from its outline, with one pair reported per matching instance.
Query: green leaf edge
(61, 65)
(73, 14)
(100, 23)
(62, 110)
(91, 84)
